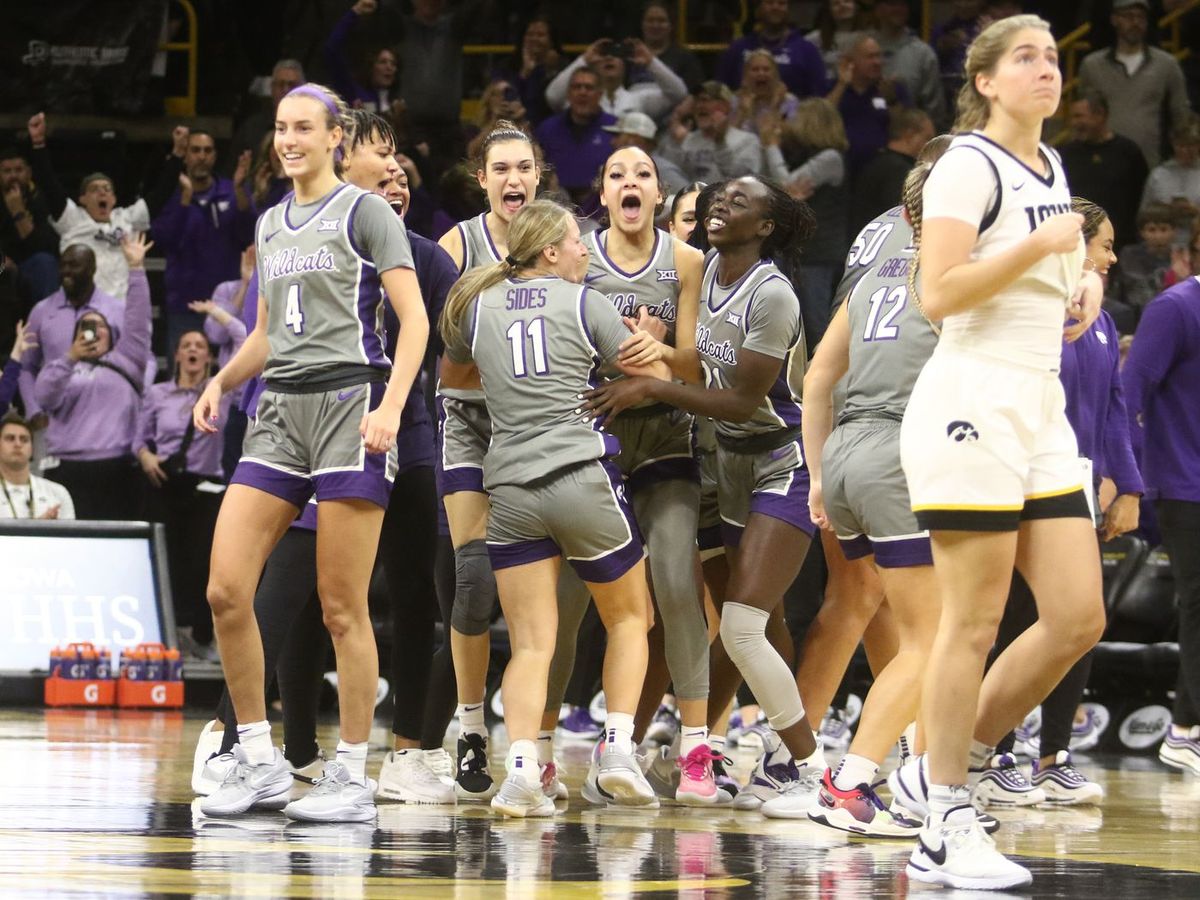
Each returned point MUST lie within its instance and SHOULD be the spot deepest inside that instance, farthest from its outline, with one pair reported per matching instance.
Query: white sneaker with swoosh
(953, 850)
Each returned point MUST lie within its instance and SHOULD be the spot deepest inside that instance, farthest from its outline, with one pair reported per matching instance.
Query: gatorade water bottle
(91, 661)
(174, 666)
(56, 660)
(132, 665)
(104, 664)
(154, 665)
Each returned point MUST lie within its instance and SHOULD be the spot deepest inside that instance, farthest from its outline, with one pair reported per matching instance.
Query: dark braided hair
(795, 223)
(1093, 216)
(369, 126)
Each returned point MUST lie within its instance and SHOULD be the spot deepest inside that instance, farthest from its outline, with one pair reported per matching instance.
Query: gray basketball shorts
(299, 445)
(866, 495)
(580, 513)
(464, 433)
(772, 483)
(656, 445)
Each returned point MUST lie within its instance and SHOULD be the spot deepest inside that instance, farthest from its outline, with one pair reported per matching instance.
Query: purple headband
(307, 90)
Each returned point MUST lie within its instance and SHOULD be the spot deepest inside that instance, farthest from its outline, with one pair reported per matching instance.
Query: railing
(185, 105)
(1069, 48)
(1174, 42)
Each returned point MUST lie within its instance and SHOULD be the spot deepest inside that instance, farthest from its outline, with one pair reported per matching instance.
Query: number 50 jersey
(890, 340)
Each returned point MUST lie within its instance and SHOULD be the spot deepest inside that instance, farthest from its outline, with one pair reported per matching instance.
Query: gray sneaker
(621, 777)
(264, 786)
(522, 800)
(335, 797)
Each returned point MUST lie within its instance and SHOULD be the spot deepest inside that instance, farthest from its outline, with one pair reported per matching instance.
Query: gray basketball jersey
(538, 344)
(654, 286)
(319, 268)
(478, 248)
(884, 236)
(890, 340)
(758, 312)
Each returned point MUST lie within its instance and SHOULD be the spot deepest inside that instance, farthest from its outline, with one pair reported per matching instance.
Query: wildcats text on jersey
(290, 261)
(706, 346)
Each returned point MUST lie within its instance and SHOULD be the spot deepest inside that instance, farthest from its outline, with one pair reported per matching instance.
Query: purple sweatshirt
(53, 321)
(253, 388)
(203, 242)
(162, 421)
(93, 410)
(1162, 388)
(800, 64)
(1091, 378)
(228, 339)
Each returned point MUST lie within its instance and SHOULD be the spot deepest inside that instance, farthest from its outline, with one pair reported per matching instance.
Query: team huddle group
(620, 412)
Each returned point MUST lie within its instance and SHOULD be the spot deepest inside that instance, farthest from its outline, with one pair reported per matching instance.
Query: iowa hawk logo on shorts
(960, 431)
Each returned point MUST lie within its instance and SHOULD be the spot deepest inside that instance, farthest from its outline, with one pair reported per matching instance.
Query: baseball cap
(634, 123)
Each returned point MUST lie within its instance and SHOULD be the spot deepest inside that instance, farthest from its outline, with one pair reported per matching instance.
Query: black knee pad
(474, 589)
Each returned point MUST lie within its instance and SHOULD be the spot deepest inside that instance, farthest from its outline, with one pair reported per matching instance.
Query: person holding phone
(92, 392)
(616, 62)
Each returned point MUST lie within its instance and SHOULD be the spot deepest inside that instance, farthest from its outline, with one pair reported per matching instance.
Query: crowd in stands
(833, 100)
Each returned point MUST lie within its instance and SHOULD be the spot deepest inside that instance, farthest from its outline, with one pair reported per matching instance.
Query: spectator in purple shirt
(377, 90)
(202, 229)
(575, 142)
(1162, 385)
(863, 97)
(52, 322)
(10, 374)
(92, 394)
(799, 60)
(183, 467)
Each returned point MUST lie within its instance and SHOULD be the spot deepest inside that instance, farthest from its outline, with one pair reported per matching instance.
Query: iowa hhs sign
(59, 588)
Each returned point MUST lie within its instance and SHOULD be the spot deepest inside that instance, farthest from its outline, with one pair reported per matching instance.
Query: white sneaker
(336, 797)
(519, 799)
(440, 764)
(265, 786)
(1003, 783)
(796, 798)
(772, 773)
(954, 851)
(207, 774)
(405, 776)
(1063, 784)
(621, 777)
(909, 785)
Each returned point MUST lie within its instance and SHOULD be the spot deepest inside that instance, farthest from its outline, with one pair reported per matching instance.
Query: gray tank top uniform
(539, 343)
(865, 491)
(319, 268)
(656, 439)
(478, 249)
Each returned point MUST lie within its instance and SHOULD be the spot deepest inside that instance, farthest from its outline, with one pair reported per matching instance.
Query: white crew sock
(944, 797)
(717, 743)
(690, 738)
(255, 738)
(354, 758)
(854, 770)
(470, 717)
(618, 731)
(545, 747)
(523, 762)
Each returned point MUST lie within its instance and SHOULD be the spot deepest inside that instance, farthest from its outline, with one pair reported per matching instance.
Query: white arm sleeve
(961, 186)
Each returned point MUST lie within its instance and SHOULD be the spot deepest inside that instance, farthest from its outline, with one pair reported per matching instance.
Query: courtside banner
(78, 56)
(100, 582)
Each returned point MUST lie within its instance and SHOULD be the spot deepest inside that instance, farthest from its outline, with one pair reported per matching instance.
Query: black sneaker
(727, 787)
(472, 780)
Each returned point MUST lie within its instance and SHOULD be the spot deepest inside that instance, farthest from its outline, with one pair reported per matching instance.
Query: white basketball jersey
(1023, 323)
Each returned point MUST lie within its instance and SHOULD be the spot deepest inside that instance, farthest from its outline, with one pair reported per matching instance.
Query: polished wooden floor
(97, 803)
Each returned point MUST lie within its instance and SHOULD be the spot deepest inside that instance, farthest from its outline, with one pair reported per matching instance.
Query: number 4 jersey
(890, 340)
(319, 267)
(539, 343)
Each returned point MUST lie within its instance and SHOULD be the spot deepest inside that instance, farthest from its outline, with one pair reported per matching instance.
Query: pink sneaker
(697, 787)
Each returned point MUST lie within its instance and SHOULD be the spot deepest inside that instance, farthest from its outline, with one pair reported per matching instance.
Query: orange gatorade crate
(151, 676)
(80, 675)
